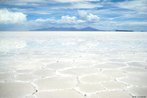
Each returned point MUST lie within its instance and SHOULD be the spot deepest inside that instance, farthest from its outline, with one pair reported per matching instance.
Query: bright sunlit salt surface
(73, 64)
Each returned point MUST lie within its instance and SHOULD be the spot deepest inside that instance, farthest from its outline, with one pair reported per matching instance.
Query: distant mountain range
(67, 29)
(77, 29)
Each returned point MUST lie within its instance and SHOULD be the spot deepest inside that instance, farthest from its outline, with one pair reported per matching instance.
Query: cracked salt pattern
(73, 64)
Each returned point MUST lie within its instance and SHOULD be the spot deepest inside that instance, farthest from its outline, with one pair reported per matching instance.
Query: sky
(98, 14)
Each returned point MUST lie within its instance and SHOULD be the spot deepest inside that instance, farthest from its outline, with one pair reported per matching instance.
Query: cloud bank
(9, 17)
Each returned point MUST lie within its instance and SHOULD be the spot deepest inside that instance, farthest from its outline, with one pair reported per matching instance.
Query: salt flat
(73, 64)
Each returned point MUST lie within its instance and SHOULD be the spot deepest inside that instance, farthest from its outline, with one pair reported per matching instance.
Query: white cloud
(9, 17)
(84, 5)
(69, 0)
(93, 18)
(40, 20)
(138, 5)
(133, 23)
(84, 17)
(52, 0)
(82, 13)
(89, 17)
(42, 0)
(70, 19)
(64, 19)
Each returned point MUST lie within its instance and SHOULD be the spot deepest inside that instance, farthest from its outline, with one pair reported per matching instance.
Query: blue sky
(99, 14)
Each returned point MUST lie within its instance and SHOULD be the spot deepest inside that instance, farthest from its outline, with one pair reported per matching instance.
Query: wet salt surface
(73, 64)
